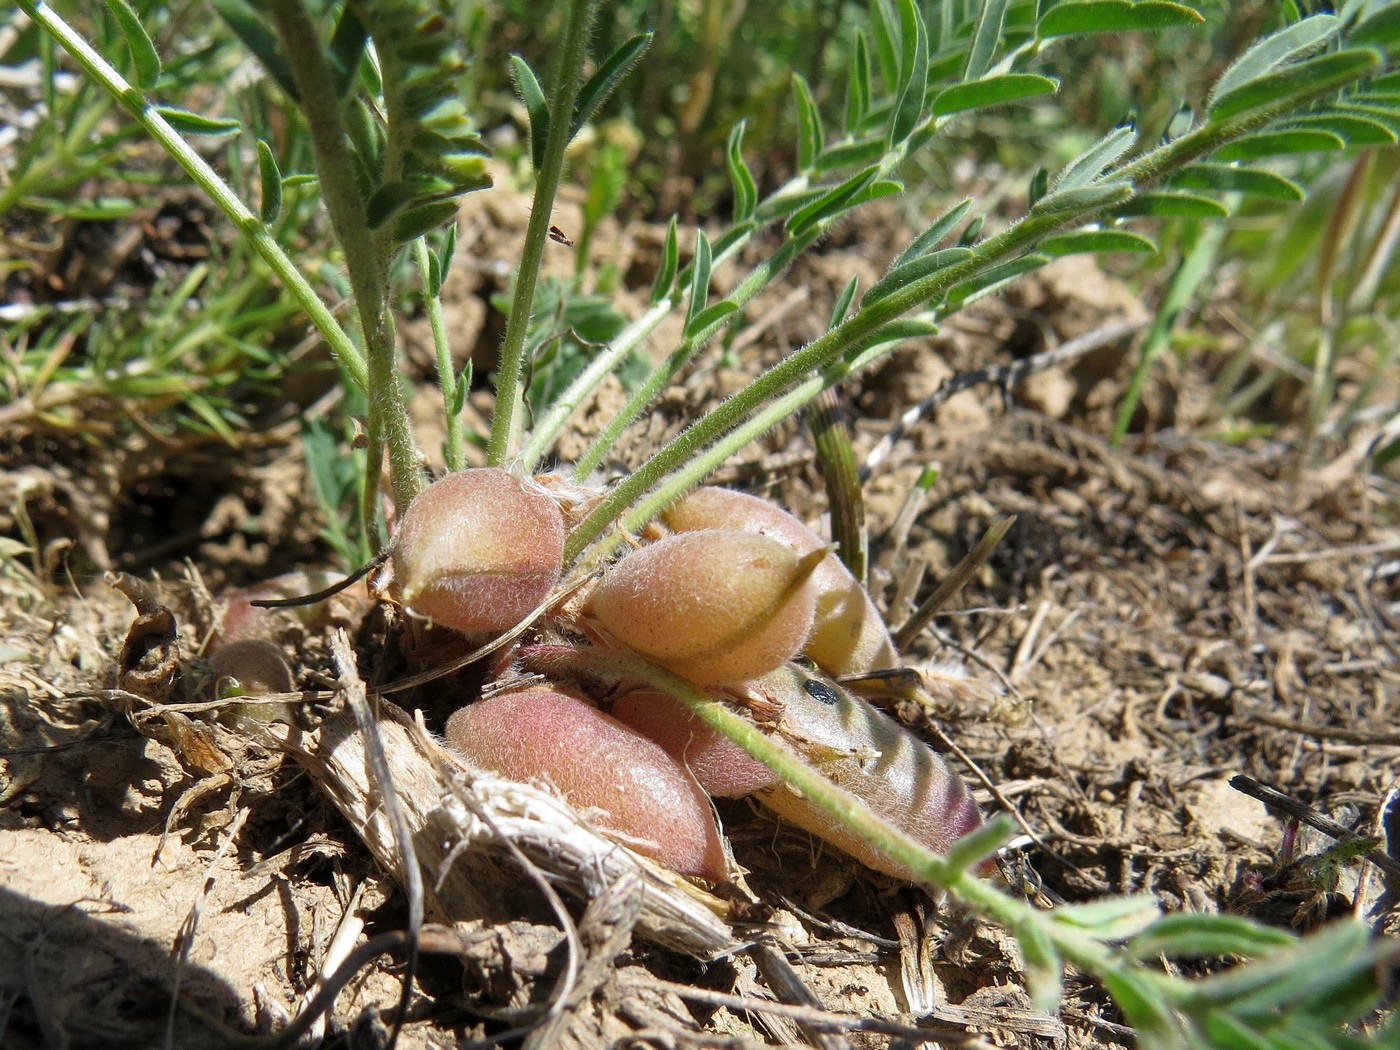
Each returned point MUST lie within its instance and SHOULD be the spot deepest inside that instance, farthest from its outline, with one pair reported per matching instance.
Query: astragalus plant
(693, 634)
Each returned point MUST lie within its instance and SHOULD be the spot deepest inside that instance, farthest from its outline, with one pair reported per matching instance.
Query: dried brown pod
(872, 756)
(853, 744)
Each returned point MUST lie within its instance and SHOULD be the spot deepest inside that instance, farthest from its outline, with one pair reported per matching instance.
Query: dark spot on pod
(820, 692)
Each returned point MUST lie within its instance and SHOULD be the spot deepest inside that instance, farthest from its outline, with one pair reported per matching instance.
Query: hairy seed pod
(722, 767)
(253, 666)
(714, 606)
(874, 758)
(848, 634)
(250, 667)
(477, 551)
(631, 788)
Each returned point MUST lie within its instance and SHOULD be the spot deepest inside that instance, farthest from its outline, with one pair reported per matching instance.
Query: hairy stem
(454, 443)
(366, 264)
(1015, 241)
(852, 813)
(510, 382)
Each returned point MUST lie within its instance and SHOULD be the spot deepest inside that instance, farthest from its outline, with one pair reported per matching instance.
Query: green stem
(547, 428)
(734, 241)
(454, 444)
(218, 191)
(855, 815)
(366, 262)
(700, 466)
(817, 355)
(712, 458)
(1211, 136)
(568, 68)
(751, 285)
(654, 383)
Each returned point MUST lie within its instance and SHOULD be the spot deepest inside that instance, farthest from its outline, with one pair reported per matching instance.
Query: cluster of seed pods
(731, 594)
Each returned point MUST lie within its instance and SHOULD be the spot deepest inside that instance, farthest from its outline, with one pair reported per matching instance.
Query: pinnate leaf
(916, 269)
(1300, 80)
(1081, 241)
(985, 38)
(937, 231)
(1174, 204)
(830, 203)
(670, 260)
(745, 189)
(1258, 182)
(597, 88)
(270, 179)
(699, 279)
(1090, 164)
(527, 86)
(1274, 143)
(809, 124)
(188, 123)
(1184, 935)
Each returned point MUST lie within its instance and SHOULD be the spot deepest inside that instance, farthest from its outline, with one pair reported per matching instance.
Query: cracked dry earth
(1159, 620)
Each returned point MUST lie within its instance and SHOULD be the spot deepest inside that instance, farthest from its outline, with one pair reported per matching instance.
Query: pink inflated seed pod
(630, 786)
(716, 606)
(722, 767)
(848, 634)
(477, 551)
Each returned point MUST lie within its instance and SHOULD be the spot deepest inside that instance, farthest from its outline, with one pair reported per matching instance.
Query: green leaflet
(993, 91)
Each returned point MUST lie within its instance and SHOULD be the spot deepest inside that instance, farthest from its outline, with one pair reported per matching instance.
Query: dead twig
(789, 987)
(1291, 807)
(1357, 550)
(606, 931)
(953, 582)
(828, 1020)
(1368, 737)
(357, 697)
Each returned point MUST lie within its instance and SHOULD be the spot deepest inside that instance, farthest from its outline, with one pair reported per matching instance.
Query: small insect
(360, 439)
(557, 236)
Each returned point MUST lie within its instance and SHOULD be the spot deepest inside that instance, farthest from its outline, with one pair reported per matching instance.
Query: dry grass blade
(357, 697)
(1295, 809)
(837, 463)
(788, 985)
(952, 583)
